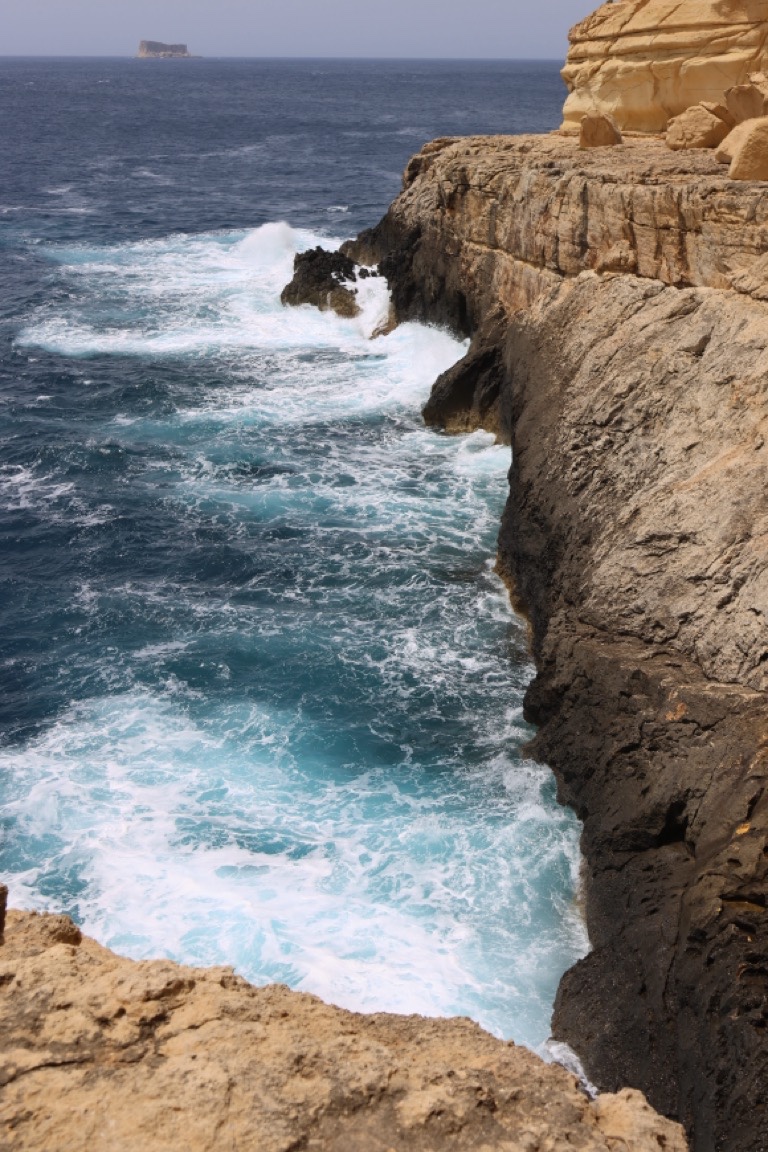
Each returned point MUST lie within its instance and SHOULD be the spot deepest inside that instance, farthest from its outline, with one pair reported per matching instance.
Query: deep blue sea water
(260, 688)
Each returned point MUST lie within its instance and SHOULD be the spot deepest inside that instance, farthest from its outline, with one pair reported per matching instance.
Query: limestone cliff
(104, 1054)
(616, 303)
(644, 61)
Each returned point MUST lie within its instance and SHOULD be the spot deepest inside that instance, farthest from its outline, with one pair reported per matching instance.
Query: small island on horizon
(156, 50)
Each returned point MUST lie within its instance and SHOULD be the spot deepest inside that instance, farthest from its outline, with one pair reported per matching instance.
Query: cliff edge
(108, 1055)
(616, 300)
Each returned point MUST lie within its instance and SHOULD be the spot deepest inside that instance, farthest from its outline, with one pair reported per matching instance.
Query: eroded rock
(748, 101)
(598, 131)
(644, 62)
(323, 279)
(697, 127)
(101, 1054)
(732, 143)
(750, 152)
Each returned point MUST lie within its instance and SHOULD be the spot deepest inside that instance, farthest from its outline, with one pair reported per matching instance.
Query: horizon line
(274, 56)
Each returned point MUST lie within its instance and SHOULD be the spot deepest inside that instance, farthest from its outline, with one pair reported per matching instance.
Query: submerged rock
(102, 1054)
(323, 279)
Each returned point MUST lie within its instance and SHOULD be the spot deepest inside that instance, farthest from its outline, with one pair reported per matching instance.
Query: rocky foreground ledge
(108, 1055)
(617, 301)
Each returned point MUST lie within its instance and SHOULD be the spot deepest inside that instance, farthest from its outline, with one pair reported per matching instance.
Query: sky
(493, 29)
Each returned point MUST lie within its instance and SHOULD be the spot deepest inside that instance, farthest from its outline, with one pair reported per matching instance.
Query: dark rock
(474, 393)
(322, 279)
(3, 908)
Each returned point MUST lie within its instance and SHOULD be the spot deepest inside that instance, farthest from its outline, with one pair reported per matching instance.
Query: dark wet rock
(474, 392)
(324, 280)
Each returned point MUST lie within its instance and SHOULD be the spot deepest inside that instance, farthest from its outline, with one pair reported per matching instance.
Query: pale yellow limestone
(644, 62)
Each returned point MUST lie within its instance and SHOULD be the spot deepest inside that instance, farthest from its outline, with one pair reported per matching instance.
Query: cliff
(620, 343)
(156, 50)
(644, 61)
(104, 1054)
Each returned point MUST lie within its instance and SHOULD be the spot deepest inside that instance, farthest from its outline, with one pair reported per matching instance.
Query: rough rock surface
(501, 219)
(733, 141)
(107, 1055)
(598, 131)
(637, 535)
(698, 127)
(748, 101)
(632, 380)
(644, 61)
(323, 279)
(750, 154)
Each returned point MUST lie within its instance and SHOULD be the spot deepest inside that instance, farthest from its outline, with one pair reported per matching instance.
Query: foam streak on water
(281, 707)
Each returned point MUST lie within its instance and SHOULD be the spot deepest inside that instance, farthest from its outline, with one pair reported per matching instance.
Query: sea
(260, 688)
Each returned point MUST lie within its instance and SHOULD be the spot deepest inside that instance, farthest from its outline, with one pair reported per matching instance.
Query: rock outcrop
(156, 50)
(106, 1055)
(616, 304)
(643, 62)
(325, 280)
(703, 126)
(750, 155)
(598, 132)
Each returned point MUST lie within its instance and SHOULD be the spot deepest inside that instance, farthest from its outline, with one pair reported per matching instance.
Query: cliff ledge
(104, 1054)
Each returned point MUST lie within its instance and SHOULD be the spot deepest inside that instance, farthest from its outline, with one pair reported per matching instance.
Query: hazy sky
(490, 28)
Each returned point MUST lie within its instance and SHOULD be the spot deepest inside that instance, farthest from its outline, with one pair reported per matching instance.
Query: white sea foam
(367, 891)
(380, 868)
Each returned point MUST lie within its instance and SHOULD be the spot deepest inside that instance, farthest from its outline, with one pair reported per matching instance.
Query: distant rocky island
(156, 50)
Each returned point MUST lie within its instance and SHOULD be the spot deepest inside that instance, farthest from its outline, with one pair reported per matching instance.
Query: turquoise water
(262, 691)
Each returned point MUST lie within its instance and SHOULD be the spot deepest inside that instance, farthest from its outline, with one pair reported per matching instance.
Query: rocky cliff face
(644, 61)
(103, 1054)
(620, 342)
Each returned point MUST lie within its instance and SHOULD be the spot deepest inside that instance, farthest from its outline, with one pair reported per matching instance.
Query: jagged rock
(750, 153)
(753, 281)
(718, 108)
(748, 101)
(598, 131)
(697, 127)
(101, 1054)
(645, 61)
(322, 278)
(636, 539)
(725, 151)
(472, 393)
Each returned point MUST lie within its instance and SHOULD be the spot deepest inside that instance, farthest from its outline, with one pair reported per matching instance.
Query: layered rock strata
(644, 61)
(616, 303)
(104, 1054)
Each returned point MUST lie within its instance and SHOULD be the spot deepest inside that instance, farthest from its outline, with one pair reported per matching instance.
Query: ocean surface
(260, 688)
